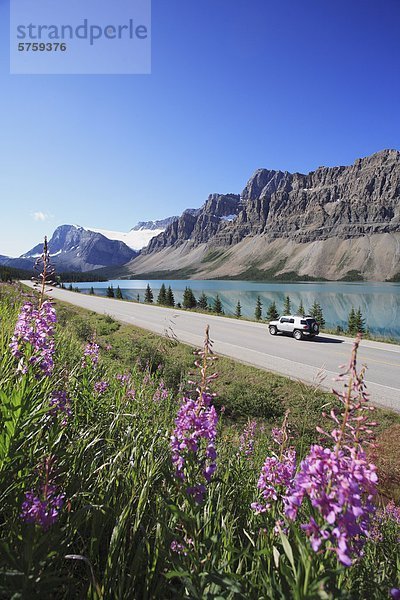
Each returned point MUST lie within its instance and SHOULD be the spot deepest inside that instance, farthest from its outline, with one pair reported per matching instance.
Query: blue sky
(236, 85)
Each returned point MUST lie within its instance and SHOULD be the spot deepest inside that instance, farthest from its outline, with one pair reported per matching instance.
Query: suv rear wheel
(297, 334)
(272, 330)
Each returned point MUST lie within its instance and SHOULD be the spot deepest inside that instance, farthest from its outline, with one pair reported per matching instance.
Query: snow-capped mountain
(74, 248)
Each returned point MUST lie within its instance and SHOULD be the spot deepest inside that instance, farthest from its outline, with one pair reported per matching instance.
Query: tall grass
(127, 527)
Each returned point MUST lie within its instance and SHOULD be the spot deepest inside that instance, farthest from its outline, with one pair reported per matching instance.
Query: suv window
(283, 320)
(303, 322)
(291, 320)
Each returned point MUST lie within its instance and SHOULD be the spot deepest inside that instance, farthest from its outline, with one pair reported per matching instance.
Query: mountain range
(332, 223)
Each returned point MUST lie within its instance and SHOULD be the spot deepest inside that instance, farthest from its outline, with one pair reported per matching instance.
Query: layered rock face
(345, 202)
(327, 224)
(198, 225)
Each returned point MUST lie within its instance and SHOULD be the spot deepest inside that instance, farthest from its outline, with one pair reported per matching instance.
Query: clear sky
(236, 85)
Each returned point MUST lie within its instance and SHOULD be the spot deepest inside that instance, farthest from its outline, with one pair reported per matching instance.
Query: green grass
(124, 506)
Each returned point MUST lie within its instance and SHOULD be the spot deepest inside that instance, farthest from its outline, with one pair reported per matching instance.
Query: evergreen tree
(272, 312)
(118, 294)
(203, 301)
(170, 300)
(258, 310)
(238, 311)
(189, 300)
(316, 312)
(351, 322)
(148, 295)
(287, 309)
(91, 292)
(138, 298)
(162, 295)
(359, 321)
(301, 311)
(110, 292)
(217, 305)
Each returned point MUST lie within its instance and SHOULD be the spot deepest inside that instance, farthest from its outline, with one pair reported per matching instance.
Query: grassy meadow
(129, 471)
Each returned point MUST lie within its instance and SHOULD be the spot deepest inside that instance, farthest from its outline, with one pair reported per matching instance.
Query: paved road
(251, 343)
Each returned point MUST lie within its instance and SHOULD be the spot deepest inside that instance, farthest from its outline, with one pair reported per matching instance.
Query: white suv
(297, 325)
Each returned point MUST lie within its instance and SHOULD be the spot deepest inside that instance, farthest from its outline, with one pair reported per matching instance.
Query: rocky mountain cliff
(280, 215)
(152, 225)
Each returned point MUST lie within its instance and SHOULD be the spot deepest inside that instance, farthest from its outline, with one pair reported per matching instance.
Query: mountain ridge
(360, 202)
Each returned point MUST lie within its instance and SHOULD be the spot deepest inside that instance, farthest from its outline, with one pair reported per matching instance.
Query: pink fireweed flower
(100, 387)
(275, 478)
(123, 378)
(35, 328)
(60, 404)
(193, 439)
(91, 355)
(340, 486)
(43, 507)
(246, 442)
(393, 512)
(161, 392)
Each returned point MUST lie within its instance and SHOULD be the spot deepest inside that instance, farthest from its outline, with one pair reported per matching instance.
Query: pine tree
(301, 311)
(91, 291)
(351, 322)
(203, 301)
(189, 300)
(287, 306)
(359, 322)
(272, 312)
(316, 312)
(258, 310)
(110, 292)
(162, 295)
(238, 310)
(217, 305)
(170, 300)
(118, 294)
(148, 295)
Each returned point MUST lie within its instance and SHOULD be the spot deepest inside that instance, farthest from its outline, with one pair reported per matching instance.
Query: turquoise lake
(379, 302)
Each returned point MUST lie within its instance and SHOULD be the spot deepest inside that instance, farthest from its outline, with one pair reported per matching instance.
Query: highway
(251, 343)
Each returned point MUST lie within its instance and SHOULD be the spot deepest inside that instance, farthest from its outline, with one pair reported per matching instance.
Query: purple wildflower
(278, 470)
(194, 436)
(60, 404)
(43, 508)
(35, 327)
(275, 478)
(181, 548)
(90, 354)
(101, 386)
(161, 392)
(395, 593)
(393, 512)
(124, 378)
(340, 486)
(246, 443)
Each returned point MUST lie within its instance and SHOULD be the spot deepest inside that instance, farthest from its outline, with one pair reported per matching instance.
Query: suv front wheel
(297, 334)
(272, 330)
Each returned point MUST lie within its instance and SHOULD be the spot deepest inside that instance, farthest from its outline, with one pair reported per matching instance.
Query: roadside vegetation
(127, 471)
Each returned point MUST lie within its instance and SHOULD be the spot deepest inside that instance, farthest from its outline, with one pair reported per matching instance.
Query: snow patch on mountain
(136, 240)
